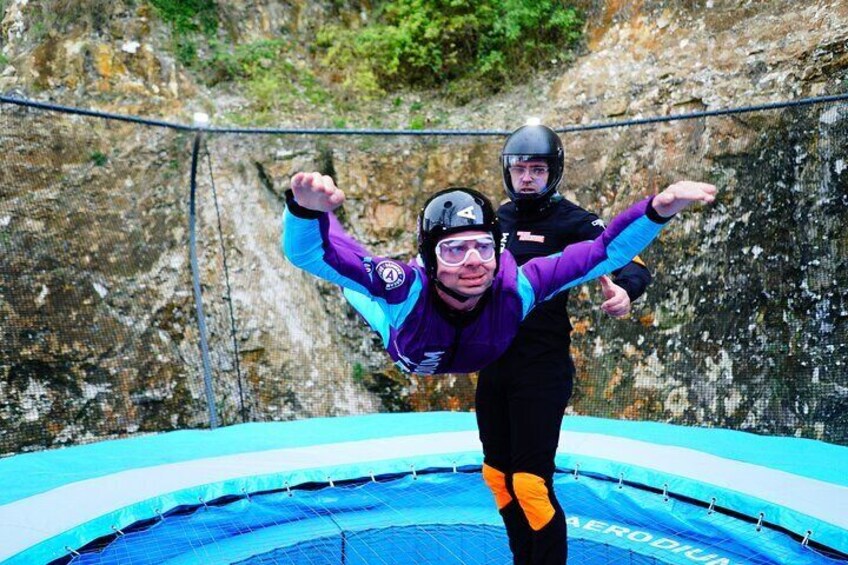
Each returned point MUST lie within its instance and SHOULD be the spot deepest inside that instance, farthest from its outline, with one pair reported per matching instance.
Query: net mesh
(744, 326)
(444, 517)
(96, 303)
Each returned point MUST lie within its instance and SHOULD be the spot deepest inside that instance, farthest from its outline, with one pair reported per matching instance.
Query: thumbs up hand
(617, 303)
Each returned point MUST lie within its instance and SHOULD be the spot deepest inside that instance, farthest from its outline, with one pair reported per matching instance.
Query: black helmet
(533, 143)
(454, 210)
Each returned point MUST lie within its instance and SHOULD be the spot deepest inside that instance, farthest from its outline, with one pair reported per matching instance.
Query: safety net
(143, 290)
(442, 518)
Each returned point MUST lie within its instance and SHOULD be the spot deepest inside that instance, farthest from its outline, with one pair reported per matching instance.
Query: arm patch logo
(390, 273)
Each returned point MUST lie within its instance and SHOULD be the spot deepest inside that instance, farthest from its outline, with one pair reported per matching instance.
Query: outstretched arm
(629, 233)
(625, 284)
(314, 241)
(617, 301)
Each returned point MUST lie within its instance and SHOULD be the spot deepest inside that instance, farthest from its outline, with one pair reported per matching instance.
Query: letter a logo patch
(467, 213)
(391, 273)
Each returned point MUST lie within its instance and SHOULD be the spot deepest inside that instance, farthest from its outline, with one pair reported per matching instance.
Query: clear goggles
(519, 165)
(536, 171)
(454, 251)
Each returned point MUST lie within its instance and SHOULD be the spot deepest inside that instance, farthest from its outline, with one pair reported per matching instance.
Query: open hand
(316, 192)
(617, 303)
(680, 195)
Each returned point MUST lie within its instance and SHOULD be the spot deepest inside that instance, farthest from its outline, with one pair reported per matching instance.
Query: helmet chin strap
(452, 293)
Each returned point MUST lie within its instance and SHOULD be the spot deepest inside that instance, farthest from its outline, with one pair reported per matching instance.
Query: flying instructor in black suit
(521, 397)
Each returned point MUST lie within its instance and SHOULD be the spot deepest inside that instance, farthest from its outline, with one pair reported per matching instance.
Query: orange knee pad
(496, 481)
(532, 495)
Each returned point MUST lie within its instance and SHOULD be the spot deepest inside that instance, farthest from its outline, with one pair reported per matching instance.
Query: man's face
(529, 177)
(466, 262)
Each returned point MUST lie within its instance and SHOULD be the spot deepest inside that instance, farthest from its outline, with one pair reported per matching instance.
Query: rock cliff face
(744, 325)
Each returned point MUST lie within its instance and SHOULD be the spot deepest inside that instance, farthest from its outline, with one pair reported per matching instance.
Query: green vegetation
(189, 16)
(476, 45)
(272, 79)
(189, 20)
(358, 373)
(3, 59)
(467, 48)
(57, 16)
(98, 158)
(417, 122)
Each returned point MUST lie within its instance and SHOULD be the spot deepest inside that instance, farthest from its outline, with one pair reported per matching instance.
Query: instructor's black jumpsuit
(522, 396)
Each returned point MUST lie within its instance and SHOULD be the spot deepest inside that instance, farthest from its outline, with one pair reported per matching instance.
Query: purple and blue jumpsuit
(399, 302)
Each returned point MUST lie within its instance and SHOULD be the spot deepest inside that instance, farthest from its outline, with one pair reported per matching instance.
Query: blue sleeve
(628, 234)
(633, 277)
(382, 290)
(320, 246)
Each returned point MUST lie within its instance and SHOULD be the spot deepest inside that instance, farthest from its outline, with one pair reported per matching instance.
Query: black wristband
(298, 210)
(654, 216)
(625, 284)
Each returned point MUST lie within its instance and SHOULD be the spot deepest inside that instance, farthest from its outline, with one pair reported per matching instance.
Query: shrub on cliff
(470, 46)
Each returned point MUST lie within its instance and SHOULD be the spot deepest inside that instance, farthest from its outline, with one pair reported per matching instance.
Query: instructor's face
(474, 275)
(529, 177)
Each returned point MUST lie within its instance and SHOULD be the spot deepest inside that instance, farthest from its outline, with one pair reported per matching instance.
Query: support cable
(195, 276)
(229, 298)
(425, 132)
(707, 113)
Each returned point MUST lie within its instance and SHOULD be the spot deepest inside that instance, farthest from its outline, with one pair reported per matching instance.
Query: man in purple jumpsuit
(459, 308)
